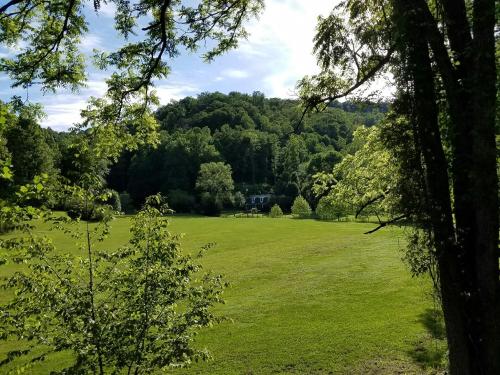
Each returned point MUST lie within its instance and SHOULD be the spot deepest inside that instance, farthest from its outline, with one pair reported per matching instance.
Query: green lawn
(306, 297)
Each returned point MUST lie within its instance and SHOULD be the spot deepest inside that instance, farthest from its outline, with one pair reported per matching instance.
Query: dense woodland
(263, 140)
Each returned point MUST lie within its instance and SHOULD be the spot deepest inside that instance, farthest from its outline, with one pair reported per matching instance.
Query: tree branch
(57, 41)
(386, 223)
(371, 73)
(367, 203)
(4, 8)
(439, 51)
(314, 102)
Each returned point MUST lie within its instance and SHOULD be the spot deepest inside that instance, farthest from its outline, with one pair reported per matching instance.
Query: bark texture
(465, 228)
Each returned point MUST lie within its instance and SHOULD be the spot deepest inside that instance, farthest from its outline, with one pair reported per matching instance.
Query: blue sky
(276, 55)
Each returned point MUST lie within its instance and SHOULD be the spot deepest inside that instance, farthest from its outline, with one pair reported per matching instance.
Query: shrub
(76, 208)
(239, 200)
(328, 209)
(276, 211)
(141, 320)
(301, 208)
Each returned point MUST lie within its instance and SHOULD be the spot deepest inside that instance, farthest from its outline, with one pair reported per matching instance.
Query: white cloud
(235, 73)
(91, 41)
(61, 116)
(175, 91)
(282, 40)
(63, 110)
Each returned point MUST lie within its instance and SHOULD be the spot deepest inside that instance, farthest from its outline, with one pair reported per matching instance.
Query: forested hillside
(262, 141)
(267, 147)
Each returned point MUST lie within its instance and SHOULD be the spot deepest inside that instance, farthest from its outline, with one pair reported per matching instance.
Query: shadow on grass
(430, 351)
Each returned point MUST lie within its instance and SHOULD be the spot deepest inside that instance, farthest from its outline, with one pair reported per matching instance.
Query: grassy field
(306, 297)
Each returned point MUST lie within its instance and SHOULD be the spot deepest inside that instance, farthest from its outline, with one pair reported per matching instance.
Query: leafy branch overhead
(352, 46)
(47, 36)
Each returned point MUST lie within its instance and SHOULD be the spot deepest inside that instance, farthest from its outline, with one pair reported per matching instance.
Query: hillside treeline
(263, 140)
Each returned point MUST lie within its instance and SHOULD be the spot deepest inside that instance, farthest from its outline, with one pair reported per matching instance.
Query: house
(258, 201)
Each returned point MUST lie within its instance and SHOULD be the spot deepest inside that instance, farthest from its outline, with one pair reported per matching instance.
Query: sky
(277, 53)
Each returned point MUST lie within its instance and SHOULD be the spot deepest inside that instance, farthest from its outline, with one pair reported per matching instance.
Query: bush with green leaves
(77, 209)
(276, 211)
(134, 310)
(329, 209)
(301, 208)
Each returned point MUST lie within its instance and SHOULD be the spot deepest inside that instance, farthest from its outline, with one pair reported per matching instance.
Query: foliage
(29, 151)
(276, 211)
(211, 205)
(48, 40)
(251, 133)
(81, 204)
(45, 40)
(114, 201)
(216, 186)
(328, 209)
(365, 181)
(174, 165)
(301, 208)
(134, 309)
(239, 200)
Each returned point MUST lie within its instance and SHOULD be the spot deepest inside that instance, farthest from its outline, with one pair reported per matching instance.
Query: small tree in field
(275, 211)
(239, 200)
(301, 208)
(329, 209)
(135, 310)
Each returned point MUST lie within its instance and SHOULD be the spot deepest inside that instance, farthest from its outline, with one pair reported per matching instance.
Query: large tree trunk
(472, 99)
(466, 247)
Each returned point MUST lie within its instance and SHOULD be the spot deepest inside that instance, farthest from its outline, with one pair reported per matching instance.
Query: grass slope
(306, 297)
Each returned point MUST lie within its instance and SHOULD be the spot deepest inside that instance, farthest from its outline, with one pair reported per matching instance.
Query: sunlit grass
(305, 297)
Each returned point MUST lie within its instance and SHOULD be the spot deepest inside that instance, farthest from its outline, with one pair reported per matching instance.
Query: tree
(292, 165)
(442, 55)
(276, 211)
(239, 200)
(30, 153)
(329, 209)
(365, 181)
(134, 310)
(301, 208)
(215, 185)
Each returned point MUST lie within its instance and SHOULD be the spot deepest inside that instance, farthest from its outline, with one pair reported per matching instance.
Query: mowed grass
(305, 296)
